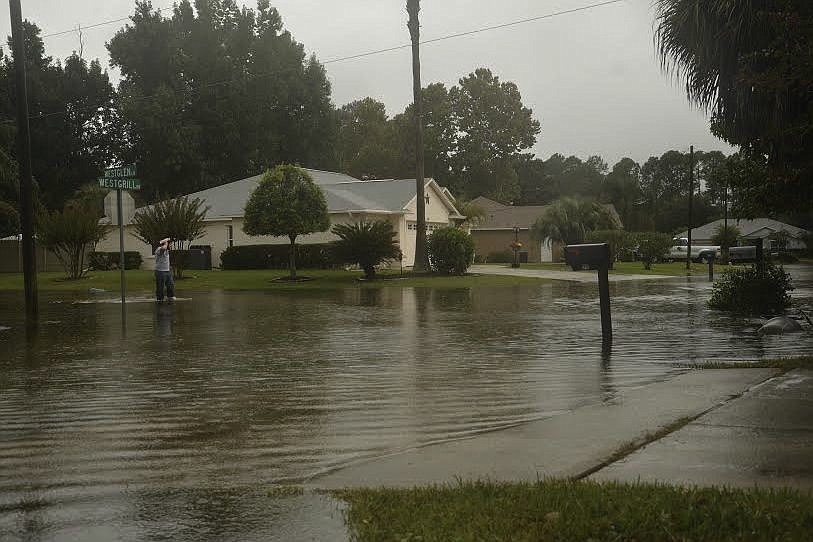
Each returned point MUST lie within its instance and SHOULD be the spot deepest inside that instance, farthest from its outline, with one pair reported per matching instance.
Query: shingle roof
(500, 217)
(747, 228)
(342, 192)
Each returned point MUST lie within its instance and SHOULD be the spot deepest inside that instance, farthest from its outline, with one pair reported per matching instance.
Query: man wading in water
(163, 275)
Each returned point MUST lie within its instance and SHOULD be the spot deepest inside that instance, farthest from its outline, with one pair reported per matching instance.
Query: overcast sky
(591, 77)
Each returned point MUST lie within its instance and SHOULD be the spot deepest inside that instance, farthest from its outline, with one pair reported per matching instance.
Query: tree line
(215, 92)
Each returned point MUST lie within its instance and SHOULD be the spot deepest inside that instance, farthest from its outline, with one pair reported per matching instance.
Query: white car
(700, 253)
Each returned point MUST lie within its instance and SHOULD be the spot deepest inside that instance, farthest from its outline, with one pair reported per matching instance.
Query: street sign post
(118, 179)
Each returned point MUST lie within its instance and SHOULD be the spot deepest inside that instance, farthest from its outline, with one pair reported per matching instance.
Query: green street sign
(120, 184)
(124, 172)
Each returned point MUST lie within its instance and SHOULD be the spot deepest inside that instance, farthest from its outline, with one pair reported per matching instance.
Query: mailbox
(595, 257)
(587, 256)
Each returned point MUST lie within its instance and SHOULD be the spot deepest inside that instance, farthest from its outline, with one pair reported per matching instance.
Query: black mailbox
(595, 257)
(587, 256)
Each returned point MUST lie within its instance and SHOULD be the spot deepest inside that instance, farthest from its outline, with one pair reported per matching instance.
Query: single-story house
(751, 230)
(495, 233)
(348, 199)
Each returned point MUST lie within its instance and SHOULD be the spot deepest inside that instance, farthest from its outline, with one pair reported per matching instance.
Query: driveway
(572, 276)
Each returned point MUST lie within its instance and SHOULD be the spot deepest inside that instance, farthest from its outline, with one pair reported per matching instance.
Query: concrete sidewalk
(571, 276)
(560, 446)
(764, 438)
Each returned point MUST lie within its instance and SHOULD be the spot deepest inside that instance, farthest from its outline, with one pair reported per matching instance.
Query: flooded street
(177, 426)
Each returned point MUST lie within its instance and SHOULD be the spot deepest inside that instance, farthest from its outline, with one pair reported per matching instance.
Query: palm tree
(731, 55)
(421, 264)
(474, 214)
(567, 221)
(367, 244)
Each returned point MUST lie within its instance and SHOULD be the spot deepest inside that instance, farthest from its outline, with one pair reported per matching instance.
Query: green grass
(636, 268)
(253, 280)
(786, 364)
(563, 510)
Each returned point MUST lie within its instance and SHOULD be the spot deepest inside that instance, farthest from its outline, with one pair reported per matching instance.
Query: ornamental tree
(181, 219)
(287, 203)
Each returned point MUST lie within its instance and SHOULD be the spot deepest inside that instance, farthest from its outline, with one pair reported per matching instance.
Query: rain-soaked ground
(176, 427)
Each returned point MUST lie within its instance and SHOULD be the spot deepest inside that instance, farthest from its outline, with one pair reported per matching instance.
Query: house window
(230, 236)
(427, 199)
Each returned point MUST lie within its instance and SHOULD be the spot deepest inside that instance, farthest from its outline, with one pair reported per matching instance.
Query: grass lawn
(636, 268)
(252, 280)
(564, 510)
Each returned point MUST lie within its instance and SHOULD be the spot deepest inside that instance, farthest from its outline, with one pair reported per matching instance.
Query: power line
(227, 82)
(477, 31)
(96, 25)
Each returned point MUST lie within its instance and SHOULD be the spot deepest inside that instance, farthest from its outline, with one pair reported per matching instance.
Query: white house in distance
(348, 199)
(751, 230)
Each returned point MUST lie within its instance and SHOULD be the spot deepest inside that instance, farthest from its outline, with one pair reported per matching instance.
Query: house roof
(342, 193)
(502, 217)
(754, 228)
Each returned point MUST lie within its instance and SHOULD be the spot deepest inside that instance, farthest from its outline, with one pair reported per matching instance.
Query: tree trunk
(292, 257)
(421, 264)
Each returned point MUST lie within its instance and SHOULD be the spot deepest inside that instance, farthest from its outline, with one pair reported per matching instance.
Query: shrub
(69, 234)
(502, 256)
(652, 246)
(621, 243)
(451, 251)
(367, 244)
(761, 289)
(106, 261)
(316, 256)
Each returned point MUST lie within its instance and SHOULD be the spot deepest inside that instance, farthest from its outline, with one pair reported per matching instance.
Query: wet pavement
(552, 274)
(763, 439)
(561, 446)
(183, 420)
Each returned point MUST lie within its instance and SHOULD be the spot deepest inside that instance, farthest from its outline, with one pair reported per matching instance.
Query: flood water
(176, 427)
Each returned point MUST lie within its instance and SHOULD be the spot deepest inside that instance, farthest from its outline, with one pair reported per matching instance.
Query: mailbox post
(596, 256)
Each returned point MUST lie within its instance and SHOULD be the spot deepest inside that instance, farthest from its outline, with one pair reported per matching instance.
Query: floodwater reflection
(175, 428)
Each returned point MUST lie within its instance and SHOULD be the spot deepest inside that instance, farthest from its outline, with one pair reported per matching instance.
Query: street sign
(121, 178)
(124, 172)
(120, 184)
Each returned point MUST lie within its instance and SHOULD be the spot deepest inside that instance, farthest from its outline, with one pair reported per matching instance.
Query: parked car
(742, 254)
(700, 253)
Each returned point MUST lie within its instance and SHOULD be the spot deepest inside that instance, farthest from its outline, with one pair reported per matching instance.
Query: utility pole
(725, 210)
(24, 159)
(421, 264)
(691, 205)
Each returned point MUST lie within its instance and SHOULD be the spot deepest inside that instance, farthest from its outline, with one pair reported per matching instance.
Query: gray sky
(591, 78)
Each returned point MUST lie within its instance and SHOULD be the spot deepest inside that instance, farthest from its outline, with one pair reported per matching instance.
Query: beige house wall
(437, 216)
(216, 236)
(487, 242)
(217, 233)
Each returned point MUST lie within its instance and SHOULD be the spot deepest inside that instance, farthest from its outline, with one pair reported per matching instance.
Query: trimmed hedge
(316, 256)
(107, 261)
(503, 256)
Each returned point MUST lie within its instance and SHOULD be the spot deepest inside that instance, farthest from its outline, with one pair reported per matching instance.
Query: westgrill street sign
(120, 178)
(120, 184)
